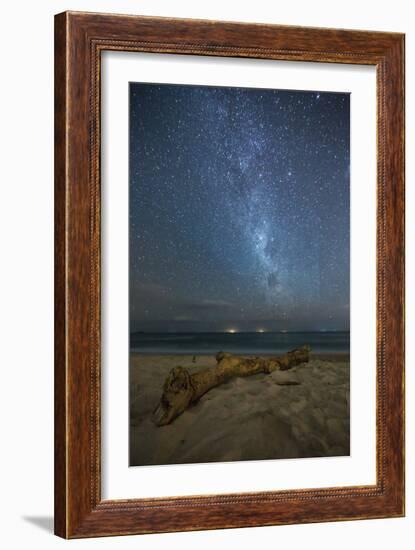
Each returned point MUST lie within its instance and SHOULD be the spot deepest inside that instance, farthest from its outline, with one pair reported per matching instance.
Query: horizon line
(235, 331)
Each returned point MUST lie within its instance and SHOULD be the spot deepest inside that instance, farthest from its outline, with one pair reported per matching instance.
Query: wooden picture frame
(79, 40)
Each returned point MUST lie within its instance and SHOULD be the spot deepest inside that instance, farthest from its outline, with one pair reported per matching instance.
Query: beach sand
(250, 418)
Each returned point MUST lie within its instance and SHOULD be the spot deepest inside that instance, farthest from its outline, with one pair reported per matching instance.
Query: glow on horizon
(232, 331)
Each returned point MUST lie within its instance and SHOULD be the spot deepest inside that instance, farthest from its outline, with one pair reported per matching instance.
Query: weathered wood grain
(182, 389)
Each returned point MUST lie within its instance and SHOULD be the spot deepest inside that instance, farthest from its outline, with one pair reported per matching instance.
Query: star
(239, 208)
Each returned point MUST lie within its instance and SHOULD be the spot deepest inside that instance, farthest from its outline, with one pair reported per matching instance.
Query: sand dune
(303, 412)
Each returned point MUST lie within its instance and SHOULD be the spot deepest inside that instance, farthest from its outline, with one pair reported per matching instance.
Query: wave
(266, 343)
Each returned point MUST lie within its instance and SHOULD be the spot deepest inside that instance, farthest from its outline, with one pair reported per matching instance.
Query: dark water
(255, 343)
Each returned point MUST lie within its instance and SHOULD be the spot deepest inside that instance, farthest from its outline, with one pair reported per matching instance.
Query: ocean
(248, 343)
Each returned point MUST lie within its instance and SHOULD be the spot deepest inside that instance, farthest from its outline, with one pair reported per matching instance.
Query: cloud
(152, 301)
(273, 280)
(208, 304)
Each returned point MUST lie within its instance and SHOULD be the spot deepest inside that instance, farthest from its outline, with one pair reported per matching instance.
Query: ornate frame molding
(79, 40)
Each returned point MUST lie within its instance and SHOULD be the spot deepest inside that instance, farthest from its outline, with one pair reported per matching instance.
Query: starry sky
(239, 209)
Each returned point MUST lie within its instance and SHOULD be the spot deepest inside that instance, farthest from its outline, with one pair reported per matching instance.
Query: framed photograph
(229, 275)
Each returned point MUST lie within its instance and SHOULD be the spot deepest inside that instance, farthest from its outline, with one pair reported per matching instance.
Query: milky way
(239, 209)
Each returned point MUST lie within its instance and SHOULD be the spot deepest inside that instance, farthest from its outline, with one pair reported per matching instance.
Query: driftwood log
(181, 389)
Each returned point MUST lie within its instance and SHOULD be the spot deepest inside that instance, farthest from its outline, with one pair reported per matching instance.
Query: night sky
(239, 209)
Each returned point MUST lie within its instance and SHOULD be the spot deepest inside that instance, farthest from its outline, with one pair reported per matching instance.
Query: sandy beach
(303, 412)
